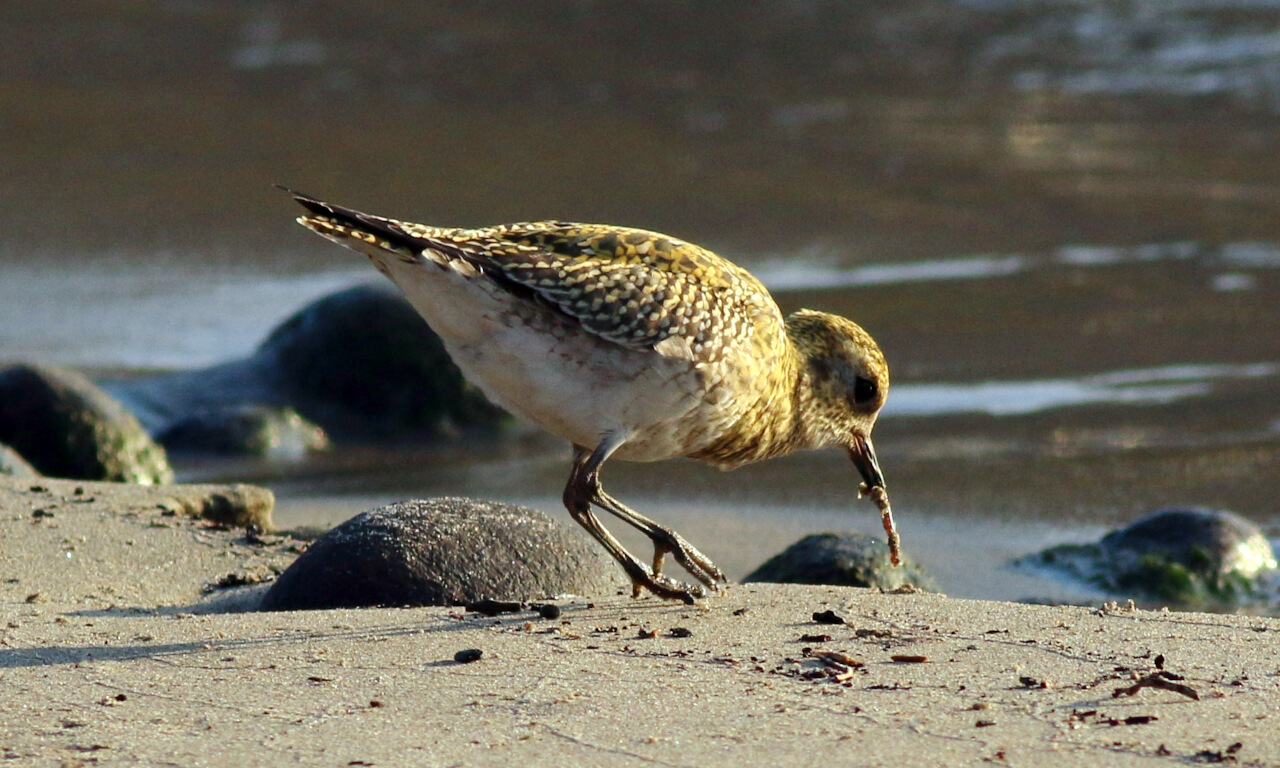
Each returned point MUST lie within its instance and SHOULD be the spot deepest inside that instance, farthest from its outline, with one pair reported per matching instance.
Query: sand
(109, 654)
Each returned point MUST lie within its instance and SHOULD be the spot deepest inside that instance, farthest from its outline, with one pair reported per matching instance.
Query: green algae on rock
(1188, 558)
(65, 426)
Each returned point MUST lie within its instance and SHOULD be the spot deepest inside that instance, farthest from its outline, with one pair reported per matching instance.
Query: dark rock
(828, 617)
(844, 559)
(65, 426)
(449, 551)
(1211, 542)
(1186, 558)
(13, 465)
(360, 363)
(363, 358)
(255, 430)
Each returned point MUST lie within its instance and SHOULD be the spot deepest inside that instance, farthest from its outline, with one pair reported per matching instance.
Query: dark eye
(864, 391)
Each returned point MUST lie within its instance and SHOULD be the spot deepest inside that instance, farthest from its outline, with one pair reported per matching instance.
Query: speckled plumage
(632, 344)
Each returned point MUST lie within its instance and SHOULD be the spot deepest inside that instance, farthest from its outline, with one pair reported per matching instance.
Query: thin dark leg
(579, 494)
(665, 540)
(584, 489)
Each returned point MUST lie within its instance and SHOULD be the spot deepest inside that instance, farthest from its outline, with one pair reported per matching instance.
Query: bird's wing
(638, 289)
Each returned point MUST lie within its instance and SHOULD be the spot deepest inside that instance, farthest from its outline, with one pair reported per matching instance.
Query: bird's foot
(697, 564)
(666, 587)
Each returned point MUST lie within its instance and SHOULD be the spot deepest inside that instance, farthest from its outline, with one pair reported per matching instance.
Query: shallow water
(1060, 219)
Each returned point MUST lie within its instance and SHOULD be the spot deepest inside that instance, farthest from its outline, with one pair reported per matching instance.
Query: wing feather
(639, 289)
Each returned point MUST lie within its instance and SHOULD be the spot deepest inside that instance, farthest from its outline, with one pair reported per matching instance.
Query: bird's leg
(665, 540)
(583, 490)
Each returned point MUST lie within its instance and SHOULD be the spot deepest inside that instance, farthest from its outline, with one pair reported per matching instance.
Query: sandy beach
(112, 652)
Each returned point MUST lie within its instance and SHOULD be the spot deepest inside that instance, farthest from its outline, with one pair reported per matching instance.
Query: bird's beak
(864, 458)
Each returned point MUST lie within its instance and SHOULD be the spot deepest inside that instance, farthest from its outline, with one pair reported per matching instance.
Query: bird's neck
(780, 421)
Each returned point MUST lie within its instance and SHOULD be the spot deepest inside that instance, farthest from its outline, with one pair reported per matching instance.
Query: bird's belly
(584, 397)
(572, 383)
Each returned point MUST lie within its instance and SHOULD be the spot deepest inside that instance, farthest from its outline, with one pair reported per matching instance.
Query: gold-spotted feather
(636, 288)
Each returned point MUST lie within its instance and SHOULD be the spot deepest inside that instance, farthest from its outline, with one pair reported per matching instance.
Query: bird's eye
(864, 391)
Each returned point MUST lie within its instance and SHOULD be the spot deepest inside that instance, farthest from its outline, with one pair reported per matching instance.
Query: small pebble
(827, 617)
(468, 656)
(549, 611)
(681, 632)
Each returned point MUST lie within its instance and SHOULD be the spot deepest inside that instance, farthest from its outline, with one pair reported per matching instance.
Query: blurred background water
(1061, 219)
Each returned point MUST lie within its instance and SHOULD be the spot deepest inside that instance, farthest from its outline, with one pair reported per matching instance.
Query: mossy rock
(65, 426)
(1187, 558)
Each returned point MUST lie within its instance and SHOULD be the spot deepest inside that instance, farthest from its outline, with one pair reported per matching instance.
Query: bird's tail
(356, 230)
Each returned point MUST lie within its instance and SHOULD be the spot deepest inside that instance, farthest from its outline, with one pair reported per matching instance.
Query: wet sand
(108, 659)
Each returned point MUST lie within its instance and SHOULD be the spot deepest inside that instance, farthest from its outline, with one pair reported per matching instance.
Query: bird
(632, 345)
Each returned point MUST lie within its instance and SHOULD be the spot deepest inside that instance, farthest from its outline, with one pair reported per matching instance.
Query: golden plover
(635, 345)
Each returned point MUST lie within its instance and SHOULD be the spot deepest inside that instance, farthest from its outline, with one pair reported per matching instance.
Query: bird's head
(849, 382)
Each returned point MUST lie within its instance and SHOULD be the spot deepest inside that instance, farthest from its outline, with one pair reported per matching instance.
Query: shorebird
(635, 345)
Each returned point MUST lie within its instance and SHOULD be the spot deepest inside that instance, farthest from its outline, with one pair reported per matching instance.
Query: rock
(65, 426)
(364, 359)
(238, 505)
(446, 551)
(1215, 543)
(360, 363)
(255, 430)
(13, 465)
(1183, 557)
(845, 559)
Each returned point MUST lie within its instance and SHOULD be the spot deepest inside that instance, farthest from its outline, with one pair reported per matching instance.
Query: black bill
(864, 458)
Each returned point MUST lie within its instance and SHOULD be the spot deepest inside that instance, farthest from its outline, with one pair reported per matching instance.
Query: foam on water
(810, 272)
(786, 275)
(1164, 384)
